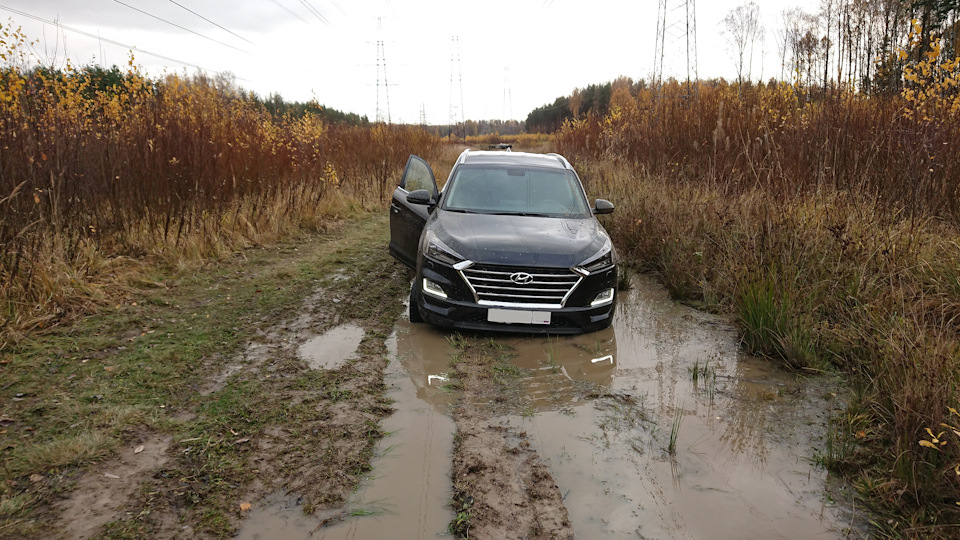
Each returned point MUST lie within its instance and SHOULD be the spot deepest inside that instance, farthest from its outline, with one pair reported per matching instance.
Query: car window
(520, 190)
(418, 176)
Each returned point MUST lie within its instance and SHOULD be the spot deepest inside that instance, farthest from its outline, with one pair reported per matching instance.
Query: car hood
(520, 240)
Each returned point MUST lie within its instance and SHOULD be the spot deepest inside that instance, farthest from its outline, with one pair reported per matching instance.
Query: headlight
(438, 251)
(603, 298)
(603, 259)
(433, 288)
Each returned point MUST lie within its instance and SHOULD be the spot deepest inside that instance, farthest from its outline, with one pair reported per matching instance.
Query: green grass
(675, 431)
(75, 394)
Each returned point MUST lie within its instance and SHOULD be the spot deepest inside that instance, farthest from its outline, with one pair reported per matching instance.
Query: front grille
(492, 284)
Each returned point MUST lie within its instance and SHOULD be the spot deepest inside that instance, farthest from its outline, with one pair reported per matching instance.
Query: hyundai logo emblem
(521, 278)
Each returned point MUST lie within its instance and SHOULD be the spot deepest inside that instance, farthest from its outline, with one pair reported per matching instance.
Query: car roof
(555, 161)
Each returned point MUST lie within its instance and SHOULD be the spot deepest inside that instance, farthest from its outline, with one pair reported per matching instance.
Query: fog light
(604, 297)
(434, 289)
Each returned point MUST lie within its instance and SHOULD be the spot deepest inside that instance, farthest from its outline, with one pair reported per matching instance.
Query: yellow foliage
(936, 441)
(931, 93)
(180, 168)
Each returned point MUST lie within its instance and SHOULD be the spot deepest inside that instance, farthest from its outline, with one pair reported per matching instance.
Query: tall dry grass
(527, 142)
(94, 180)
(774, 137)
(829, 229)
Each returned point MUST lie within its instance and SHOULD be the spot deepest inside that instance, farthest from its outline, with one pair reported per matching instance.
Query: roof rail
(561, 159)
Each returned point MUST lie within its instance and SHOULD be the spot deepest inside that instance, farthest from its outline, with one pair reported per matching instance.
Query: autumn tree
(797, 24)
(742, 28)
(621, 94)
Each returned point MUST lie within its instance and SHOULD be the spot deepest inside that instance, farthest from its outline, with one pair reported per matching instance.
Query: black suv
(511, 244)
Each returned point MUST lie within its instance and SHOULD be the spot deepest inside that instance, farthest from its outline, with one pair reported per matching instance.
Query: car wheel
(415, 316)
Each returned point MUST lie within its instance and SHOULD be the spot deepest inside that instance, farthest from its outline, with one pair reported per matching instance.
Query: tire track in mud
(502, 489)
(261, 420)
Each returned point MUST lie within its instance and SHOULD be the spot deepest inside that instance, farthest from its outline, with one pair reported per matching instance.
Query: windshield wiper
(525, 214)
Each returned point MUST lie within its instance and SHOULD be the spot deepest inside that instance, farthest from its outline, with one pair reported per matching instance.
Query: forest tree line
(860, 45)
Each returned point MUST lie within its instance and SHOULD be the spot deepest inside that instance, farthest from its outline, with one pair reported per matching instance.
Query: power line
(337, 5)
(211, 22)
(316, 13)
(290, 11)
(110, 41)
(180, 27)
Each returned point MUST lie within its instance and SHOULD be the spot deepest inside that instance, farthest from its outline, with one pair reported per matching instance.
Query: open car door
(406, 218)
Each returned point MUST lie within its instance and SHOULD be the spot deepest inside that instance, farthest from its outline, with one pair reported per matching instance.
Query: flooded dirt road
(655, 428)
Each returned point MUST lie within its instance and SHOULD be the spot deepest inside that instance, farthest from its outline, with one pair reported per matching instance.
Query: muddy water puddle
(332, 348)
(692, 440)
(658, 427)
(407, 494)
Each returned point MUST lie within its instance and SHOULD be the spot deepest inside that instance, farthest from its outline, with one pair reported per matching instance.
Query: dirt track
(554, 438)
(498, 478)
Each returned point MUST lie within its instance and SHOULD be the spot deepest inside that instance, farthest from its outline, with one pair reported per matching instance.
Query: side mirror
(420, 196)
(603, 206)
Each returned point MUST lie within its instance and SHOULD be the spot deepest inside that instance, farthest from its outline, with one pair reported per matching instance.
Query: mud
(332, 348)
(656, 428)
(99, 495)
(409, 488)
(740, 466)
(306, 400)
(502, 488)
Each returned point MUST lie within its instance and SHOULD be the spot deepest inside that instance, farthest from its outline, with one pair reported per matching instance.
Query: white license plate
(518, 316)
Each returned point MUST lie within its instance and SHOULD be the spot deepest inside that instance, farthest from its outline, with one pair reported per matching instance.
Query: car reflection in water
(554, 371)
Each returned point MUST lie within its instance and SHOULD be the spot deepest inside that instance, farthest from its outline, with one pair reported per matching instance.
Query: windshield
(502, 189)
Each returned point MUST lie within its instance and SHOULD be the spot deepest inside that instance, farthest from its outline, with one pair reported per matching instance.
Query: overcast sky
(513, 56)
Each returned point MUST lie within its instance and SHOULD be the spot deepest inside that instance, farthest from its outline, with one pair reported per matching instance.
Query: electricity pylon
(382, 75)
(676, 40)
(456, 87)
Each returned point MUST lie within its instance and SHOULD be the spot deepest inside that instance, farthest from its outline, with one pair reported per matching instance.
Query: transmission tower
(676, 46)
(456, 88)
(382, 78)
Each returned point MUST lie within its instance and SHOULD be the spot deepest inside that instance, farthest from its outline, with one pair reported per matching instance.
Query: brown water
(407, 494)
(332, 348)
(740, 465)
(600, 409)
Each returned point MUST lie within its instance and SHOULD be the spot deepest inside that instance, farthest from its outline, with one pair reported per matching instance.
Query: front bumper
(575, 317)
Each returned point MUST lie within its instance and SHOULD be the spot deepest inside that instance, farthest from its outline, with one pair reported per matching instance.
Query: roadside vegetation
(150, 231)
(826, 221)
(102, 176)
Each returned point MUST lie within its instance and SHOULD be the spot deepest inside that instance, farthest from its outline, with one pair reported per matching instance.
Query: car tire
(415, 316)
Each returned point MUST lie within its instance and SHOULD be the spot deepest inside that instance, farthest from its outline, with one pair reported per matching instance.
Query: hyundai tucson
(510, 244)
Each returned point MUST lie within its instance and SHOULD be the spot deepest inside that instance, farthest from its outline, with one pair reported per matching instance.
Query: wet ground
(655, 428)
